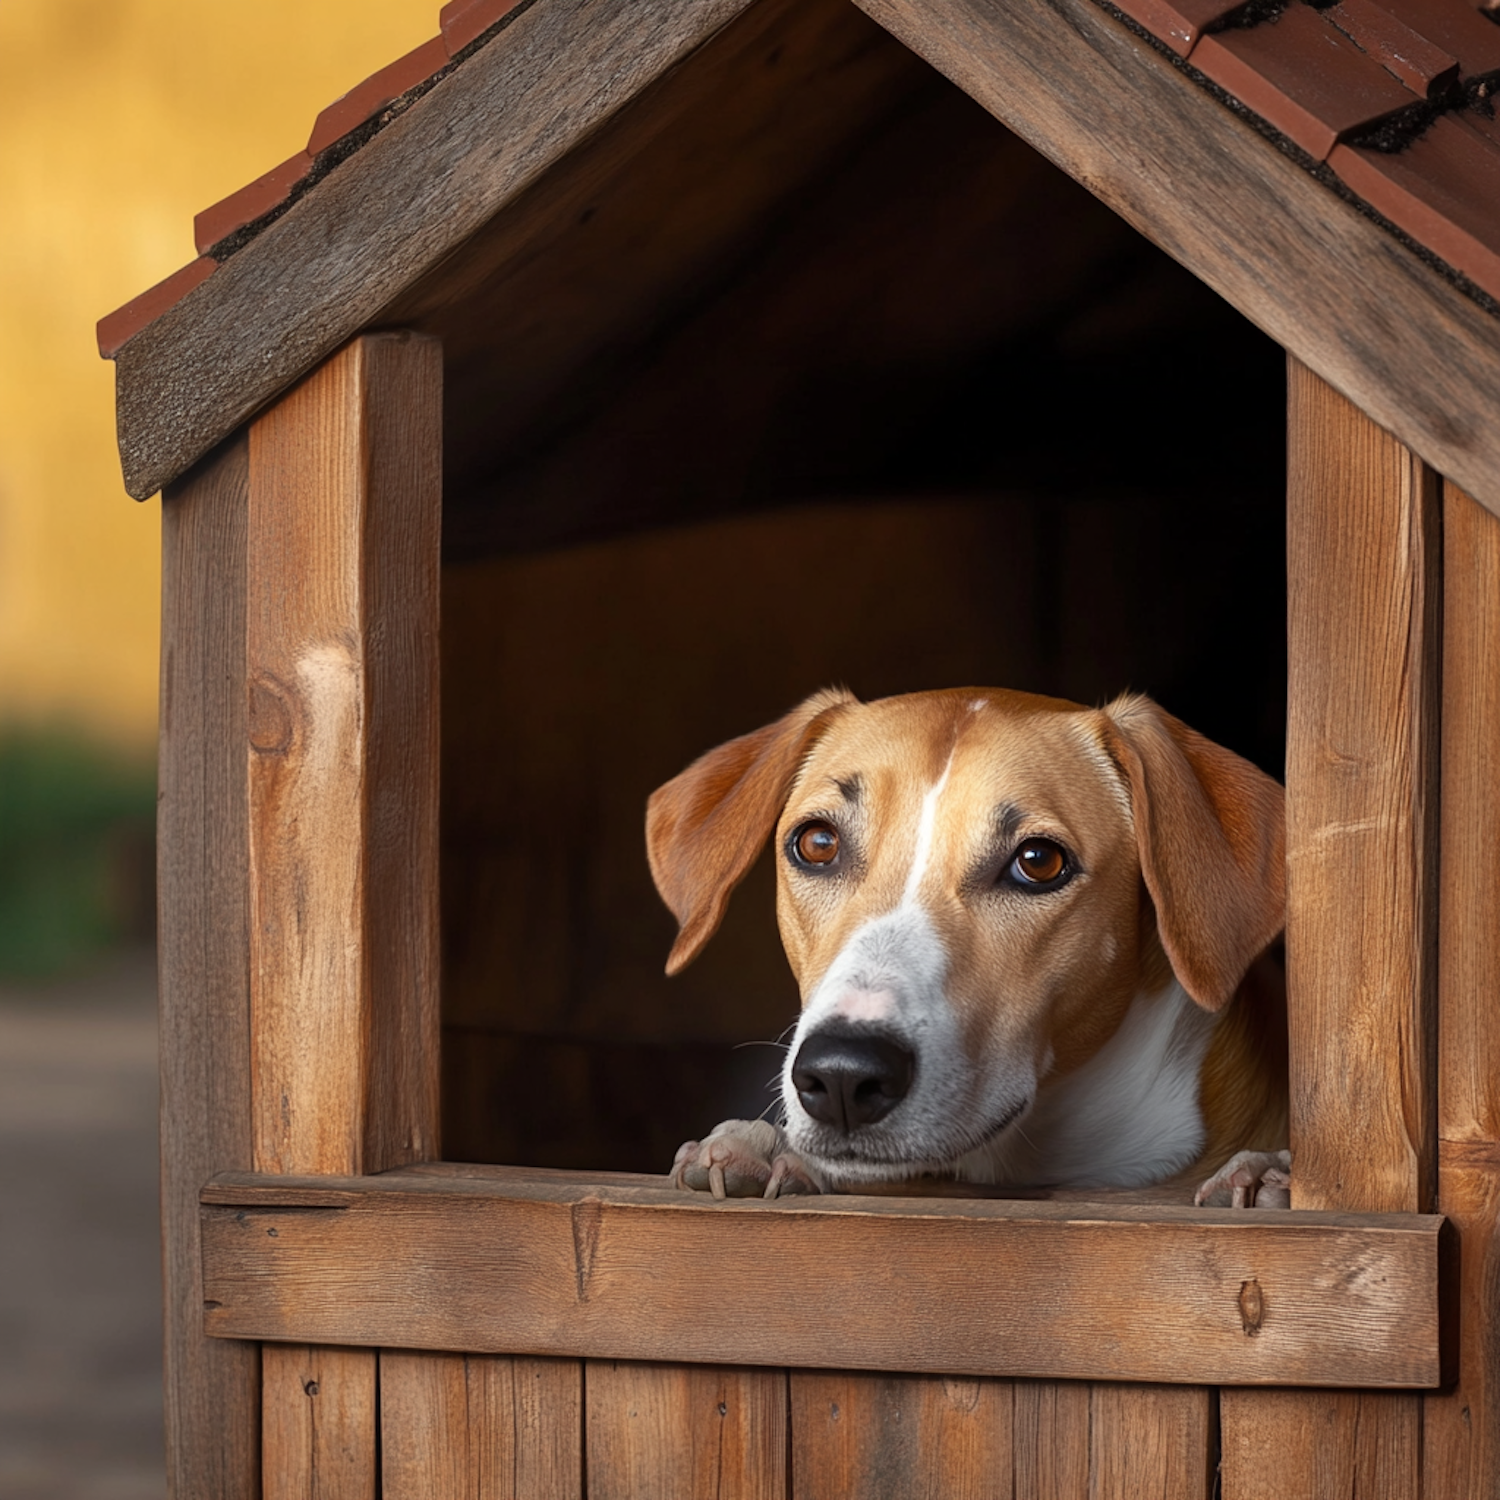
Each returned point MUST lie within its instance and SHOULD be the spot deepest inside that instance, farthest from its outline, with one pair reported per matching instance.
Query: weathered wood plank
(992, 1288)
(319, 1417)
(1461, 1427)
(1364, 590)
(341, 615)
(703, 1432)
(427, 182)
(892, 1437)
(1469, 913)
(1303, 265)
(1363, 640)
(212, 1387)
(480, 1427)
(1050, 1439)
(1321, 1445)
(345, 500)
(1151, 1443)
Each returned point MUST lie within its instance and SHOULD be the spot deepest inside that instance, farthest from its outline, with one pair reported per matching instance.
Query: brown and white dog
(1022, 931)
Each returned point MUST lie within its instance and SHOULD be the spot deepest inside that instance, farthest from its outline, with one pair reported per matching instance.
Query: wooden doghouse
(691, 352)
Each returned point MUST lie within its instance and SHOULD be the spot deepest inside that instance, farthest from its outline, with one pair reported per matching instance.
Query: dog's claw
(1258, 1179)
(741, 1159)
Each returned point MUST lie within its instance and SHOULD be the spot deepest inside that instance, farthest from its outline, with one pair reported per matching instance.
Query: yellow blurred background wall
(122, 119)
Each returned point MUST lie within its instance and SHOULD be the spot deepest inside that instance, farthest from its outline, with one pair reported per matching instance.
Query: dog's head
(973, 886)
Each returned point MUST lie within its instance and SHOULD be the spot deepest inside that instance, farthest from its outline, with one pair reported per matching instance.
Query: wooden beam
(1461, 1427)
(506, 1261)
(1307, 267)
(1364, 601)
(1364, 591)
(212, 1387)
(342, 625)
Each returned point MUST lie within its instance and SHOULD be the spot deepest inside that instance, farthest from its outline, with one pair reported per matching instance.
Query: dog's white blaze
(926, 822)
(864, 1005)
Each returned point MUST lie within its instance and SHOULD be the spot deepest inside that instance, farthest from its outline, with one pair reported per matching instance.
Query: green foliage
(76, 821)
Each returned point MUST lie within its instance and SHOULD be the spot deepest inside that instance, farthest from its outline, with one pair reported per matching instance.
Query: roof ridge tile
(114, 329)
(366, 100)
(465, 21)
(249, 203)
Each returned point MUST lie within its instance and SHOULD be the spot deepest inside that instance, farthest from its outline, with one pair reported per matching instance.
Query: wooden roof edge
(1213, 187)
(221, 344)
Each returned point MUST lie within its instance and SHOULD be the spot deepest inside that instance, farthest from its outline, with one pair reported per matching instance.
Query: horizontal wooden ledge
(508, 1260)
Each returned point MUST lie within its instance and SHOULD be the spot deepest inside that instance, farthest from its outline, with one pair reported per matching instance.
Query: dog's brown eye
(815, 844)
(1038, 862)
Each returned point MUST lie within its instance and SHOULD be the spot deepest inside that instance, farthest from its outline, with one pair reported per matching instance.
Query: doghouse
(677, 354)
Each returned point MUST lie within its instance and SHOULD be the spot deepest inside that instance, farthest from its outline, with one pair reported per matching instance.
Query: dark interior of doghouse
(804, 371)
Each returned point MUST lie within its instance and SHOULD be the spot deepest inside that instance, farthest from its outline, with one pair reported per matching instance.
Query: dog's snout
(849, 1079)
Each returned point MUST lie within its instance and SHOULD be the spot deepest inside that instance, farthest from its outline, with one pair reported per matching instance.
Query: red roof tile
(1456, 27)
(1301, 73)
(125, 322)
(465, 21)
(1424, 68)
(366, 100)
(1178, 23)
(1443, 190)
(249, 203)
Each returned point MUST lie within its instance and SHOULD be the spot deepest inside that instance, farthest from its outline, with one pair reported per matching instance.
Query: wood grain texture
(1302, 264)
(1364, 600)
(1151, 1443)
(1461, 1427)
(388, 214)
(1050, 1439)
(319, 1421)
(1321, 1445)
(480, 1427)
(892, 1437)
(699, 1432)
(212, 1387)
(1469, 984)
(1363, 641)
(342, 624)
(503, 1264)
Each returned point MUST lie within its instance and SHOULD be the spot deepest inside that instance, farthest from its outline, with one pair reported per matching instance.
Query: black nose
(849, 1079)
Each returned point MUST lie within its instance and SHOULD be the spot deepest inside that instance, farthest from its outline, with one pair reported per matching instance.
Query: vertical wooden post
(1364, 588)
(1461, 1428)
(342, 659)
(212, 1385)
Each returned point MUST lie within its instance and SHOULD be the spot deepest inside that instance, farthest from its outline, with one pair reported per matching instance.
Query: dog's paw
(1249, 1179)
(742, 1159)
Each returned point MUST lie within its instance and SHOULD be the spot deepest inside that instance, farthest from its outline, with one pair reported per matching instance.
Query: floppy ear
(1211, 830)
(705, 827)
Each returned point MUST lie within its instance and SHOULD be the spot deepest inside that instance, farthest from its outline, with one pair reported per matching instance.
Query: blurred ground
(80, 1300)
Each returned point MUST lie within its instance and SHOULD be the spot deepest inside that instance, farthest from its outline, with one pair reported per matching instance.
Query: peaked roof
(1373, 144)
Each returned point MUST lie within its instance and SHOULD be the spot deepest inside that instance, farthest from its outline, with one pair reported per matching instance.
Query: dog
(1029, 938)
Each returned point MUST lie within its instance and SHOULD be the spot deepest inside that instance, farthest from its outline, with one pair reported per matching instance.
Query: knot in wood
(1252, 1306)
(271, 716)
